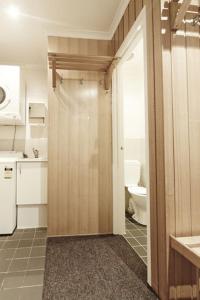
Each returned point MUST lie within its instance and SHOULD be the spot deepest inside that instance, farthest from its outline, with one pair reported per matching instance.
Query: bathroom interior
(70, 217)
(135, 145)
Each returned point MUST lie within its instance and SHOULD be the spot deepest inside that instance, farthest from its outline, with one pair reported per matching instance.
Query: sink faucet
(36, 153)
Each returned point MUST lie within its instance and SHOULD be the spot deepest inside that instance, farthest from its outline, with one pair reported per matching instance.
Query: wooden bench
(189, 247)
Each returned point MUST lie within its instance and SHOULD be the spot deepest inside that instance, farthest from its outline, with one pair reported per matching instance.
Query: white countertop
(39, 159)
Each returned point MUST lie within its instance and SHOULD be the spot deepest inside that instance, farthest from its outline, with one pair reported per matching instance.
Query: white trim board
(138, 28)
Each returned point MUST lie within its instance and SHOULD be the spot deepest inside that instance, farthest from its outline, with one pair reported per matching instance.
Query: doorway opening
(134, 132)
(131, 205)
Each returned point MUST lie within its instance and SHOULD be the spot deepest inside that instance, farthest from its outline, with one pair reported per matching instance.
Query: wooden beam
(79, 58)
(54, 73)
(78, 67)
(82, 65)
(178, 18)
(108, 75)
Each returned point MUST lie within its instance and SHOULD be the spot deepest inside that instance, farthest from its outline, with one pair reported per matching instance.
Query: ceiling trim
(85, 34)
(89, 34)
(118, 15)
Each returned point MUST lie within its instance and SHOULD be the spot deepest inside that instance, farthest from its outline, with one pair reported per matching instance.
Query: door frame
(138, 28)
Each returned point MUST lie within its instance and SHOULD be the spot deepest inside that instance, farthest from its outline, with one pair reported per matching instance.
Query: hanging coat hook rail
(61, 61)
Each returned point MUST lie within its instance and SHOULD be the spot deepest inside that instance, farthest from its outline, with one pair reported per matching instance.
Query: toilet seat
(138, 190)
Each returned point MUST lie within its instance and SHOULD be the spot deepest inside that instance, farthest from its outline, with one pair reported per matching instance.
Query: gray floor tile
(3, 237)
(11, 244)
(7, 253)
(22, 252)
(19, 264)
(15, 236)
(34, 278)
(144, 260)
(13, 280)
(4, 264)
(31, 293)
(39, 242)
(127, 234)
(38, 251)
(19, 230)
(30, 230)
(142, 240)
(135, 233)
(129, 226)
(11, 294)
(144, 231)
(140, 251)
(44, 229)
(132, 242)
(1, 244)
(138, 239)
(2, 276)
(25, 243)
(36, 263)
(27, 235)
(140, 226)
(40, 235)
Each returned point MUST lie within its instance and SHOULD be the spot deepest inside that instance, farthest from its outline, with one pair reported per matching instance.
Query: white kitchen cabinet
(31, 182)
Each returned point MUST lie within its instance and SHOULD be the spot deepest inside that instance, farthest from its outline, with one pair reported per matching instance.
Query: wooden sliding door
(80, 157)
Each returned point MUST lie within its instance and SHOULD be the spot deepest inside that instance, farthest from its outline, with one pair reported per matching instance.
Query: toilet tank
(132, 170)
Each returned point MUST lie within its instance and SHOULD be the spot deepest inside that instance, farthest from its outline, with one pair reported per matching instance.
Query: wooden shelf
(61, 61)
(189, 247)
(178, 12)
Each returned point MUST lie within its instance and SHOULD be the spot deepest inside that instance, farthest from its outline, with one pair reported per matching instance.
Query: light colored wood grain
(181, 14)
(80, 160)
(181, 154)
(74, 46)
(138, 7)
(169, 150)
(160, 166)
(126, 24)
(189, 247)
(131, 13)
(174, 104)
(193, 73)
(121, 32)
(152, 148)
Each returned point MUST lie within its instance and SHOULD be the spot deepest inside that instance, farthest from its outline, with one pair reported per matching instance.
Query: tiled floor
(22, 258)
(136, 236)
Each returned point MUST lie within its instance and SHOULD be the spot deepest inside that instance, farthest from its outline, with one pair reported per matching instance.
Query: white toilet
(138, 200)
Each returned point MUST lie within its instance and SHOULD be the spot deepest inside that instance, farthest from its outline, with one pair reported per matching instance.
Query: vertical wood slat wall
(181, 72)
(156, 151)
(174, 71)
(80, 146)
(130, 15)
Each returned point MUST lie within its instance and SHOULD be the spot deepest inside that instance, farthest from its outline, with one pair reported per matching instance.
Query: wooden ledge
(61, 61)
(189, 247)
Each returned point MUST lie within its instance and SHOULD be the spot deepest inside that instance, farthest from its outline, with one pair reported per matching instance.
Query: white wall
(134, 108)
(27, 136)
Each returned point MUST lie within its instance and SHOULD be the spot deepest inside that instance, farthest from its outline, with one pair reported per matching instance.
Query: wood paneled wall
(132, 11)
(181, 72)
(174, 124)
(80, 147)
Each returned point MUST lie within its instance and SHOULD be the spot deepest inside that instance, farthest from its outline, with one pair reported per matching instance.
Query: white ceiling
(24, 39)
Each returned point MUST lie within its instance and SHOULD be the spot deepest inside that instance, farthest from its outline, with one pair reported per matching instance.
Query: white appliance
(8, 211)
(12, 95)
(138, 201)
